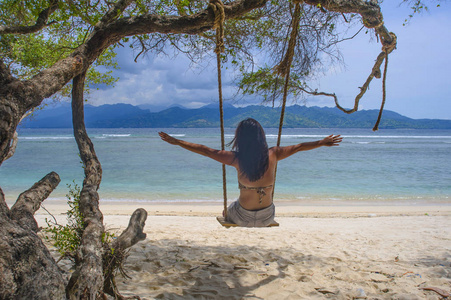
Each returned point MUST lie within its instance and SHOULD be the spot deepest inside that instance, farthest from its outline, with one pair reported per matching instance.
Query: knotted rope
(283, 68)
(375, 24)
(218, 8)
(387, 46)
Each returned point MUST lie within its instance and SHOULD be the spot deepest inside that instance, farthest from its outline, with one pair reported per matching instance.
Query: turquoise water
(389, 166)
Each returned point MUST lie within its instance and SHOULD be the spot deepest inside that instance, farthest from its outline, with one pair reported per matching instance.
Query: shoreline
(282, 209)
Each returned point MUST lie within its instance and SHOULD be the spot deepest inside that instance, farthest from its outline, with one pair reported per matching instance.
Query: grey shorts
(250, 218)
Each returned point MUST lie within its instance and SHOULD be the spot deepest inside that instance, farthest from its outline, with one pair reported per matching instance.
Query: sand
(327, 252)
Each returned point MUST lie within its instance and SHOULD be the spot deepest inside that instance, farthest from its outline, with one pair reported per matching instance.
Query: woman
(256, 165)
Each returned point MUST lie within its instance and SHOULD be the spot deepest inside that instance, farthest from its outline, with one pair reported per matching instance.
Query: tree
(48, 44)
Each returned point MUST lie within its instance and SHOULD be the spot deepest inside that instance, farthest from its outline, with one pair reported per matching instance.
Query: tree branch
(51, 80)
(384, 94)
(371, 18)
(41, 22)
(134, 232)
(87, 280)
(92, 167)
(30, 201)
(369, 11)
(114, 12)
(343, 39)
(192, 24)
(375, 72)
(15, 139)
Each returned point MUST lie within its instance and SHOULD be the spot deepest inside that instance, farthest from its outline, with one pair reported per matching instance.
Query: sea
(387, 167)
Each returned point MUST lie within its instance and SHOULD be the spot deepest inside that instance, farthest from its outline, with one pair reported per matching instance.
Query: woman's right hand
(167, 138)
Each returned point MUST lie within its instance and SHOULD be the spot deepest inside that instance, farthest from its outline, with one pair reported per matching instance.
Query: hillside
(129, 116)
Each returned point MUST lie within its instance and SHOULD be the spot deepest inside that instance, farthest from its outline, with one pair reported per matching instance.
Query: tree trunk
(27, 269)
(18, 97)
(87, 280)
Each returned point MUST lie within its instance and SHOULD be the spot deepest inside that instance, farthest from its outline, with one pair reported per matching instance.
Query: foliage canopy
(254, 41)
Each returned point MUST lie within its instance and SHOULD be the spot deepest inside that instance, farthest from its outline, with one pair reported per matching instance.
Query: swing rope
(218, 8)
(283, 69)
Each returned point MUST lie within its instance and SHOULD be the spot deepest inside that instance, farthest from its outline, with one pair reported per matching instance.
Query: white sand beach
(328, 252)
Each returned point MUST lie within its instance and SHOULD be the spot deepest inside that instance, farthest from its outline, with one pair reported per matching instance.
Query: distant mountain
(61, 115)
(157, 108)
(129, 116)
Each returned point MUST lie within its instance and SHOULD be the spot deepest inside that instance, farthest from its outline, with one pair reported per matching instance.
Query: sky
(418, 77)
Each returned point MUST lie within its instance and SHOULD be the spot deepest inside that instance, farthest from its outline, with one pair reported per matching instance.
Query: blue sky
(418, 79)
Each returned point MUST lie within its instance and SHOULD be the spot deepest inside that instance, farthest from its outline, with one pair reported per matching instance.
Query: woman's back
(257, 194)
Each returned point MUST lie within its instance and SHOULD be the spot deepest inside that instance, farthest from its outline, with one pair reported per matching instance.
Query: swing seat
(226, 224)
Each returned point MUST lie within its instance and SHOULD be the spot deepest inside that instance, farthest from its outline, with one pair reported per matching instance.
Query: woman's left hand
(331, 140)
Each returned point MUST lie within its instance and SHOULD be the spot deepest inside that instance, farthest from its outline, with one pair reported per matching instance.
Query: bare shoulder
(233, 159)
(273, 152)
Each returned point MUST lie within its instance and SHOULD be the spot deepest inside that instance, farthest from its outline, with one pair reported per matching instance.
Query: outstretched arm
(329, 141)
(222, 156)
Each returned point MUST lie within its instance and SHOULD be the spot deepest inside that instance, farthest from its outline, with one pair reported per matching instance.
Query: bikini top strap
(260, 190)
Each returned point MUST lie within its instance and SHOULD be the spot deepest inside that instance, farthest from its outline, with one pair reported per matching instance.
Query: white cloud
(417, 84)
(417, 78)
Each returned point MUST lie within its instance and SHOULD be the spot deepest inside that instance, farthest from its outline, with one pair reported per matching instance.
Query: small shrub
(67, 238)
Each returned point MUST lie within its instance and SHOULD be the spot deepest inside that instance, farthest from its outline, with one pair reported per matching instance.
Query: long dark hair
(251, 149)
